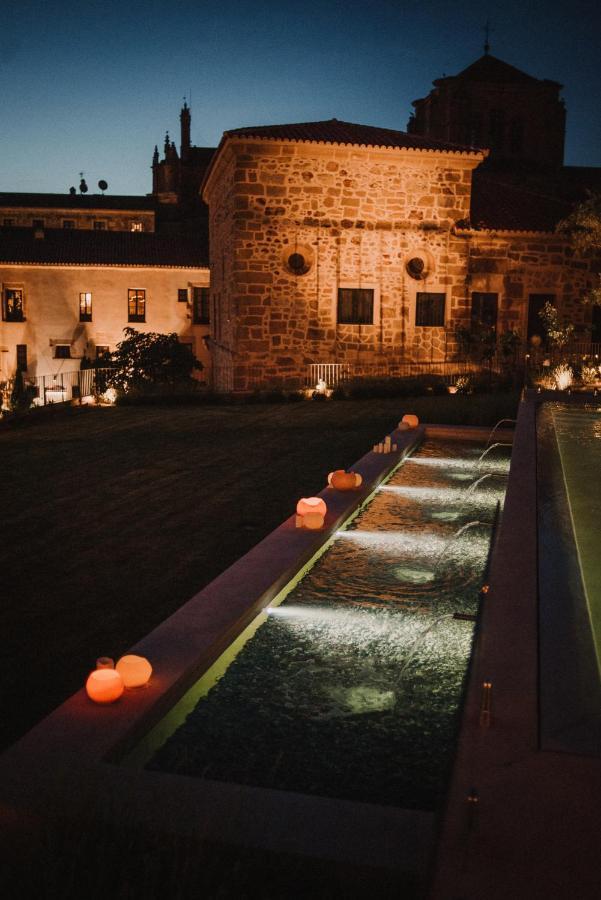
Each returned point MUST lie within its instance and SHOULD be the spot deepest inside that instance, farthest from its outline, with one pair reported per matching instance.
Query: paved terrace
(531, 829)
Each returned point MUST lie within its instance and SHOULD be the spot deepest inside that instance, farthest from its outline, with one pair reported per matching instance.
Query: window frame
(21, 351)
(13, 317)
(132, 296)
(476, 318)
(356, 286)
(85, 315)
(419, 295)
(69, 224)
(201, 310)
(61, 347)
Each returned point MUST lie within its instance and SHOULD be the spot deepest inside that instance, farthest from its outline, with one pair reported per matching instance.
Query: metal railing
(63, 387)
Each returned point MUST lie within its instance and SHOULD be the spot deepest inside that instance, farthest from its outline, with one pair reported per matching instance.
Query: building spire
(486, 38)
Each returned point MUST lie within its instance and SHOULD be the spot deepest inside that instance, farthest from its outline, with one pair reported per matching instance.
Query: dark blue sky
(92, 86)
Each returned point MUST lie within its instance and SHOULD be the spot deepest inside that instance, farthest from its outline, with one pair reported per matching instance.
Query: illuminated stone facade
(357, 215)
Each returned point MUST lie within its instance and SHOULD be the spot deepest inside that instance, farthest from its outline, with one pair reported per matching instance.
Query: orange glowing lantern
(104, 685)
(343, 481)
(134, 670)
(313, 521)
(311, 505)
(358, 479)
(410, 420)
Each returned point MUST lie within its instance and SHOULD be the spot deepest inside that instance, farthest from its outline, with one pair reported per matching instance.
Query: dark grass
(114, 517)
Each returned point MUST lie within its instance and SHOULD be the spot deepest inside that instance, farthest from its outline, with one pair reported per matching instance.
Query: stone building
(340, 243)
(95, 212)
(521, 119)
(66, 295)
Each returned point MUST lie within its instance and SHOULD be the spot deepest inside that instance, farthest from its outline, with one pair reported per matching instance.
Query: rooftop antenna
(487, 30)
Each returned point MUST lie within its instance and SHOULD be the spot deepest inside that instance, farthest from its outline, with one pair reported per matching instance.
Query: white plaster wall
(51, 307)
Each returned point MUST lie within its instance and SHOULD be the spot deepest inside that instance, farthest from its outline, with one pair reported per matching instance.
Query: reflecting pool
(352, 687)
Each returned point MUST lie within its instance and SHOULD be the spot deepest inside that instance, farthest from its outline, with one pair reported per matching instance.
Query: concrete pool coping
(520, 822)
(67, 761)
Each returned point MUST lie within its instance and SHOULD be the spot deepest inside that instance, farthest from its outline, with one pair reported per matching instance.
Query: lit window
(9, 222)
(22, 357)
(136, 305)
(85, 306)
(136, 226)
(62, 351)
(355, 306)
(182, 295)
(68, 223)
(484, 310)
(200, 305)
(99, 225)
(429, 309)
(12, 305)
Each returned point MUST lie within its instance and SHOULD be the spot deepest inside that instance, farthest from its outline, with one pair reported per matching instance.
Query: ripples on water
(352, 687)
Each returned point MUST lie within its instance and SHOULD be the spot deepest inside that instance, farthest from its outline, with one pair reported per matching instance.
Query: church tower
(521, 119)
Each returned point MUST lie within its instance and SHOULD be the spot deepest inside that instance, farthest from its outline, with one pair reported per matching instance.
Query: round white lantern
(104, 685)
(311, 505)
(134, 670)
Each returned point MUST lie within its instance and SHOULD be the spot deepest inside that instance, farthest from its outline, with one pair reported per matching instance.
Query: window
(355, 306)
(200, 305)
(182, 295)
(429, 309)
(136, 226)
(8, 222)
(68, 223)
(99, 225)
(85, 306)
(62, 351)
(22, 357)
(136, 305)
(484, 310)
(37, 223)
(102, 350)
(12, 307)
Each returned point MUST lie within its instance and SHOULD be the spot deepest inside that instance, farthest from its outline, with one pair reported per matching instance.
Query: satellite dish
(72, 191)
(102, 185)
(83, 186)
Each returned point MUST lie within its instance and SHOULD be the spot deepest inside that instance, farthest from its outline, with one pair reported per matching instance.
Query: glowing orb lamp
(411, 420)
(104, 686)
(404, 426)
(134, 670)
(311, 505)
(343, 481)
(313, 521)
(358, 479)
(330, 479)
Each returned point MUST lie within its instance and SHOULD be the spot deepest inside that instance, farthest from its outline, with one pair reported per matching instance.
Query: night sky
(92, 86)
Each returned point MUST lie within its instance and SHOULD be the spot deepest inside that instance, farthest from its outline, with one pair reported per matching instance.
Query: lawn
(114, 517)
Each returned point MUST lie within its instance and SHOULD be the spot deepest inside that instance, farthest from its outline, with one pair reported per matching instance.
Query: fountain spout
(488, 449)
(454, 537)
(482, 478)
(499, 423)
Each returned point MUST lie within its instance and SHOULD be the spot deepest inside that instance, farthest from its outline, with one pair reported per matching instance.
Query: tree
(557, 335)
(21, 396)
(146, 359)
(583, 227)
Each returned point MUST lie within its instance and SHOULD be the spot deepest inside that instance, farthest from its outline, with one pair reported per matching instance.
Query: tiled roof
(101, 248)
(489, 68)
(499, 205)
(76, 201)
(332, 131)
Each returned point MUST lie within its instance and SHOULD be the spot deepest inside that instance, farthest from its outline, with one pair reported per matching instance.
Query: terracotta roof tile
(332, 131)
(101, 248)
(76, 201)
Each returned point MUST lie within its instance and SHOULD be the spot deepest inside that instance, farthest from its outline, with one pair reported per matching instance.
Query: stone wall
(357, 215)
